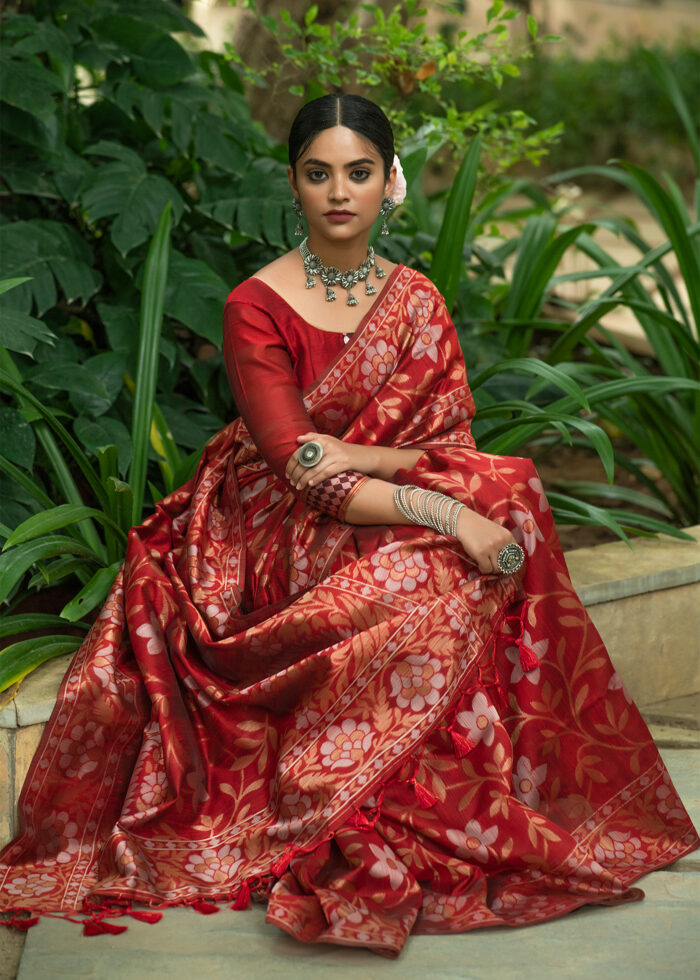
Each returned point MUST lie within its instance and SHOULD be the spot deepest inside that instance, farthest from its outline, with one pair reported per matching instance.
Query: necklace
(330, 276)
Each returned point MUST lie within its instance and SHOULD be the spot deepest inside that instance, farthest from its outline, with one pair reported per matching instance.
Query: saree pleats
(353, 724)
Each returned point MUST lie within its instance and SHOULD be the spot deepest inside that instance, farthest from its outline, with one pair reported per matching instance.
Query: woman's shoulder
(419, 280)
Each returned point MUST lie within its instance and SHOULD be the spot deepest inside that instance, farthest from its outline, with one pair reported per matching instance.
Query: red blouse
(272, 354)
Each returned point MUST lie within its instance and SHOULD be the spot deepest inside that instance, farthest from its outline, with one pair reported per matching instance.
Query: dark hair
(357, 113)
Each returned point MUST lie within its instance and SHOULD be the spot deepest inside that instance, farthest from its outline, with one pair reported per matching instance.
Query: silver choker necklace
(330, 276)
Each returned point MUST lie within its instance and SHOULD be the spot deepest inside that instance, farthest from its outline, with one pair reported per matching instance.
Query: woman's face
(340, 182)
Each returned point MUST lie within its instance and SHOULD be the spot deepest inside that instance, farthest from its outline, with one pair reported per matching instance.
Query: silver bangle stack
(428, 507)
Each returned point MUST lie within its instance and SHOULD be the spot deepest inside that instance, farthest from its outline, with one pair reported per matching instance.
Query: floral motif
(33, 884)
(619, 845)
(79, 749)
(473, 842)
(526, 532)
(616, 683)
(59, 839)
(526, 780)
(294, 809)
(426, 343)
(346, 744)
(215, 865)
(417, 682)
(299, 570)
(480, 720)
(387, 865)
(399, 570)
(378, 363)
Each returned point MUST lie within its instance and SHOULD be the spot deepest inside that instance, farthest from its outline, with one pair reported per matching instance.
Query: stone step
(644, 601)
(650, 939)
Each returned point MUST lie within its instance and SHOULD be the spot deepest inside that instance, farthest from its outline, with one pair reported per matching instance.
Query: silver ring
(310, 454)
(510, 559)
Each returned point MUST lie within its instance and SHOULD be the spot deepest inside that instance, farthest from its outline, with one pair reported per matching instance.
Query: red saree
(351, 723)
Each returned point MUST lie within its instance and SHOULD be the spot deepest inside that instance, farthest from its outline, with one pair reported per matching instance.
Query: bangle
(428, 507)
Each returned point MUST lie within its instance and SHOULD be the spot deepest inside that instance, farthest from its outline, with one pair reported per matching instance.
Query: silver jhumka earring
(296, 207)
(385, 210)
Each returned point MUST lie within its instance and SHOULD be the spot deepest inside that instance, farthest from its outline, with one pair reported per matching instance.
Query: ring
(310, 454)
(510, 559)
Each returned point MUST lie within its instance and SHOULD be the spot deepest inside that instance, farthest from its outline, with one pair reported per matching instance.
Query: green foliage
(411, 73)
(611, 105)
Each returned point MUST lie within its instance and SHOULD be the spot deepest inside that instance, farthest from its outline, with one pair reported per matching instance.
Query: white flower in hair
(399, 194)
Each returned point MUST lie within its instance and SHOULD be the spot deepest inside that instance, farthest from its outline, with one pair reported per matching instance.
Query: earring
(385, 210)
(296, 208)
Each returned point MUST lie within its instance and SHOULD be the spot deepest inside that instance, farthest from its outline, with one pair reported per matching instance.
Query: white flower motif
(526, 532)
(346, 744)
(387, 865)
(526, 780)
(36, 884)
(426, 343)
(474, 841)
(535, 484)
(417, 681)
(620, 845)
(479, 721)
(399, 570)
(153, 634)
(215, 865)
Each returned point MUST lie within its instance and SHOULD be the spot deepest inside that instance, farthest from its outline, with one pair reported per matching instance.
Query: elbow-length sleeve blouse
(271, 355)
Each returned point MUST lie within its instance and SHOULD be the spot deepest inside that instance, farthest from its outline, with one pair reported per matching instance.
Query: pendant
(352, 300)
(330, 294)
(369, 288)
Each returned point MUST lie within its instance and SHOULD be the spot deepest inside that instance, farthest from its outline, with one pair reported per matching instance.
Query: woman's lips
(339, 217)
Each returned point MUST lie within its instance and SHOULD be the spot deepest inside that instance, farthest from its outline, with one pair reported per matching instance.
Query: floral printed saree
(352, 724)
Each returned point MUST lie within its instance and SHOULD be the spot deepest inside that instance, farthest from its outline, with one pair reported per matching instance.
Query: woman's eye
(315, 175)
(360, 174)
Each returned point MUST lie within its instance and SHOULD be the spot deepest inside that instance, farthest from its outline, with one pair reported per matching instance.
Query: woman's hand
(338, 456)
(482, 539)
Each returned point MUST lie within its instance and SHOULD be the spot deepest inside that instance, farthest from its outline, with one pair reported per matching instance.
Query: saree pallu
(352, 724)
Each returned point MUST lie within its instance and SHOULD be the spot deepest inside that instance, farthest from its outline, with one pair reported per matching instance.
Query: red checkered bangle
(334, 494)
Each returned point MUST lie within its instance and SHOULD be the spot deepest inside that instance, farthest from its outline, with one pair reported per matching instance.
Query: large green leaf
(195, 296)
(19, 659)
(16, 437)
(47, 251)
(57, 518)
(29, 86)
(124, 189)
(21, 333)
(157, 58)
(15, 562)
(92, 594)
(105, 431)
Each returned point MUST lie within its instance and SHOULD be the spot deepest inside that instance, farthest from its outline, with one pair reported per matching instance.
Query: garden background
(143, 176)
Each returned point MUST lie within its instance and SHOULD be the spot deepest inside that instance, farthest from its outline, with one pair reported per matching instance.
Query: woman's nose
(338, 189)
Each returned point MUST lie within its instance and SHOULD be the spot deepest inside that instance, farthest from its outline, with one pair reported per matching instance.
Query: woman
(322, 676)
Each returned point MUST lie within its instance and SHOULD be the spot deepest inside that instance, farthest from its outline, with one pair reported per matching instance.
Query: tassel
(145, 916)
(242, 898)
(462, 744)
(423, 795)
(281, 864)
(204, 908)
(528, 659)
(23, 924)
(95, 927)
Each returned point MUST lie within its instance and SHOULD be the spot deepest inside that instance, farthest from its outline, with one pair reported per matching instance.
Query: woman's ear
(292, 182)
(390, 183)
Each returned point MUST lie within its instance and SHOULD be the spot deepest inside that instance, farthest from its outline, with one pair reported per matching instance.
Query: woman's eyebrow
(322, 163)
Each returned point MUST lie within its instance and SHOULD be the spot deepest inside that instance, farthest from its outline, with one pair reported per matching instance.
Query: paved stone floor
(656, 938)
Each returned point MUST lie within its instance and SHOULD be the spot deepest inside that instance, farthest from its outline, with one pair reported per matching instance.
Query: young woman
(344, 669)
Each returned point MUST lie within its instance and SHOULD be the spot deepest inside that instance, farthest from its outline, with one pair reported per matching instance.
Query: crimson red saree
(352, 724)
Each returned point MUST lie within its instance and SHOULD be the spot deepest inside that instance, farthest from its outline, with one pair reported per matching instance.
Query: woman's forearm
(389, 460)
(373, 503)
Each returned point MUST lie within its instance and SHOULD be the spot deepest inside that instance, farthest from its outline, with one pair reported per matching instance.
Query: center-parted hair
(353, 111)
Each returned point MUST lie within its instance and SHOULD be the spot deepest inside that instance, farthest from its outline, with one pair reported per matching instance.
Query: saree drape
(353, 724)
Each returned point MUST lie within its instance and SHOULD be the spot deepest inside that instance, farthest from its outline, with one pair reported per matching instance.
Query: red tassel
(204, 908)
(279, 866)
(22, 924)
(462, 743)
(528, 659)
(93, 927)
(242, 898)
(144, 916)
(424, 796)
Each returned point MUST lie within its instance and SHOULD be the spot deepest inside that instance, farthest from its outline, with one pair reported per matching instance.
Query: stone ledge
(613, 571)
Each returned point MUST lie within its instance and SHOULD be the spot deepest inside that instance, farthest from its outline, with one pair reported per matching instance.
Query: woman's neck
(342, 255)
